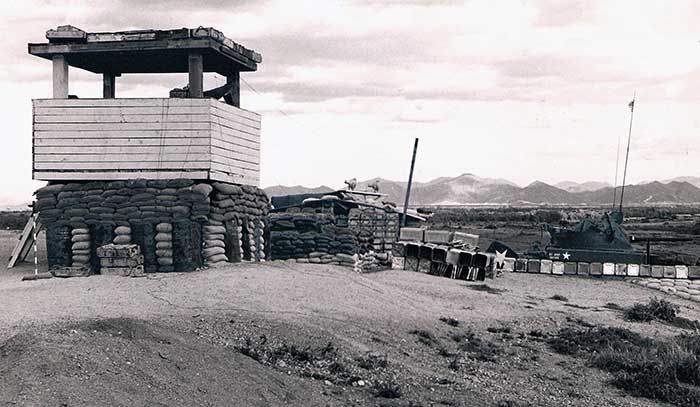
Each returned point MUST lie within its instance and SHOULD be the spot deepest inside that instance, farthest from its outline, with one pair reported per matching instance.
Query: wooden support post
(235, 80)
(108, 84)
(196, 72)
(60, 77)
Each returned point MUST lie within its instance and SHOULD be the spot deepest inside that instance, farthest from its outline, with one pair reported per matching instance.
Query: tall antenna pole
(617, 172)
(410, 181)
(627, 155)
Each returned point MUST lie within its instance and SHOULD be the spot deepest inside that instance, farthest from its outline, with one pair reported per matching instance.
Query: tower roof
(146, 51)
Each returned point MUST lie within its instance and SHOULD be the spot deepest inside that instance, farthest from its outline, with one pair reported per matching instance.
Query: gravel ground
(282, 333)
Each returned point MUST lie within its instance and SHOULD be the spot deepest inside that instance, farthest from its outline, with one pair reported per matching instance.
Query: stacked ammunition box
(121, 260)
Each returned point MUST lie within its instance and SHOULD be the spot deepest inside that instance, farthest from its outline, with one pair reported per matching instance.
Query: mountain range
(468, 189)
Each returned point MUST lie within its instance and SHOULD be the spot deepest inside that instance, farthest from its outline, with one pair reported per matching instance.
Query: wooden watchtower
(190, 134)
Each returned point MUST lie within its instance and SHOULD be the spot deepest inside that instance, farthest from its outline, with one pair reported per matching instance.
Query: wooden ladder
(25, 242)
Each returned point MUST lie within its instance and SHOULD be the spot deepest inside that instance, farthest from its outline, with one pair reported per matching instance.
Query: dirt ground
(305, 335)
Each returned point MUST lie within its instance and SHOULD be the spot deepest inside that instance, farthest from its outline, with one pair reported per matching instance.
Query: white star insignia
(500, 258)
(566, 256)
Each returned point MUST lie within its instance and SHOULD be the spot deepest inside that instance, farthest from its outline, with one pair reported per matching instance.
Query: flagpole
(627, 155)
(617, 172)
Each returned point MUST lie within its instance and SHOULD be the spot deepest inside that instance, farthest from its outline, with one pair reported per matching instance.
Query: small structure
(344, 227)
(178, 176)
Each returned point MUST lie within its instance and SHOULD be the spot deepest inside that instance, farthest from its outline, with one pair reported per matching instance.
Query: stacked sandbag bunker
(178, 224)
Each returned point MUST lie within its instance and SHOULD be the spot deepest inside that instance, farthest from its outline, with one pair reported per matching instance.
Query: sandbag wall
(312, 238)
(179, 224)
(238, 220)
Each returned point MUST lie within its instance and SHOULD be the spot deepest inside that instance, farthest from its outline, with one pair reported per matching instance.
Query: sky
(522, 90)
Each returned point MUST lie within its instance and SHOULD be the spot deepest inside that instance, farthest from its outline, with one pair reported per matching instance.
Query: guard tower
(190, 134)
(174, 178)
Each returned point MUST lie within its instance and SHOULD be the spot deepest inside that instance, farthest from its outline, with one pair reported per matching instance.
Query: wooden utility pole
(410, 181)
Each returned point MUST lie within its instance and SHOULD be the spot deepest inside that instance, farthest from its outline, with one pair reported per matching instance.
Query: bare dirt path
(289, 334)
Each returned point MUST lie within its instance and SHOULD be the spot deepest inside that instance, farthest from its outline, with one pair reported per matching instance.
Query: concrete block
(657, 271)
(520, 266)
(669, 271)
(545, 266)
(453, 257)
(694, 272)
(608, 269)
(681, 271)
(533, 266)
(644, 270)
(583, 269)
(425, 252)
(411, 234)
(620, 269)
(558, 268)
(437, 236)
(412, 250)
(633, 270)
(570, 268)
(596, 269)
(509, 264)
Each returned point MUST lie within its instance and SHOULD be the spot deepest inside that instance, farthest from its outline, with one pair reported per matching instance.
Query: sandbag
(227, 188)
(80, 231)
(212, 251)
(202, 189)
(165, 261)
(164, 253)
(122, 230)
(84, 245)
(164, 237)
(122, 239)
(214, 229)
(214, 236)
(214, 243)
(219, 258)
(84, 259)
(80, 238)
(164, 245)
(164, 228)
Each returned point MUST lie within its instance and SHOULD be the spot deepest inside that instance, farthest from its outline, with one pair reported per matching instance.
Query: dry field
(307, 335)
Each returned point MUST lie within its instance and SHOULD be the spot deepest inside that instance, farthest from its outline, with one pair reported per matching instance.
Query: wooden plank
(233, 178)
(123, 118)
(235, 144)
(195, 69)
(121, 126)
(122, 102)
(224, 148)
(121, 110)
(117, 175)
(121, 134)
(24, 244)
(234, 169)
(235, 118)
(81, 149)
(119, 166)
(235, 155)
(120, 158)
(235, 110)
(220, 131)
(233, 164)
(126, 141)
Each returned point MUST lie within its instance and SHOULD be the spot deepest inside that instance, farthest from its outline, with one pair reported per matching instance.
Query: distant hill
(691, 180)
(470, 189)
(279, 190)
(571, 186)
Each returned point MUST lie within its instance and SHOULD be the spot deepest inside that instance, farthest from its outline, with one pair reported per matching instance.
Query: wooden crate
(155, 138)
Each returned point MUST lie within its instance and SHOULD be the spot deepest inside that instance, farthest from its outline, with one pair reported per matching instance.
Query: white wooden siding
(86, 139)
